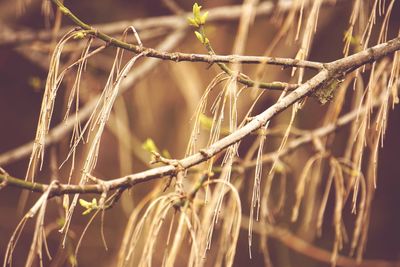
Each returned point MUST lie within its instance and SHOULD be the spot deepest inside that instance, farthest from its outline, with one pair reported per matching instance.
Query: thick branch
(332, 70)
(61, 189)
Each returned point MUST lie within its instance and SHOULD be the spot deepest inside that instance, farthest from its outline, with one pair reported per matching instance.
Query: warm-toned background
(160, 107)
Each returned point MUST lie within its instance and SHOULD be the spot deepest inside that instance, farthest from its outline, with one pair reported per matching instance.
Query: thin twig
(178, 57)
(257, 122)
(11, 37)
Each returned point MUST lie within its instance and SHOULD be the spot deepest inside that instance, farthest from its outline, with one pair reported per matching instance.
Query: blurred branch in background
(11, 37)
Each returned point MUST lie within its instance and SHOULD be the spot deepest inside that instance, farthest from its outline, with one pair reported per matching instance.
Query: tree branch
(61, 189)
(317, 133)
(333, 70)
(178, 56)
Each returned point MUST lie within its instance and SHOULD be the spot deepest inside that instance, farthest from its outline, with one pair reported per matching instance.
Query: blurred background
(159, 104)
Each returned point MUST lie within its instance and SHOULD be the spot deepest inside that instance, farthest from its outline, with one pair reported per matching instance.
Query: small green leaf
(89, 206)
(197, 19)
(279, 167)
(79, 35)
(84, 203)
(72, 260)
(347, 36)
(354, 173)
(60, 222)
(205, 122)
(199, 37)
(193, 22)
(149, 146)
(36, 83)
(86, 212)
(203, 18)
(354, 41)
(196, 10)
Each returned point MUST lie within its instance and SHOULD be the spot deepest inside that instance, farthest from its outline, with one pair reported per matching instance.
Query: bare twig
(333, 70)
(177, 56)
